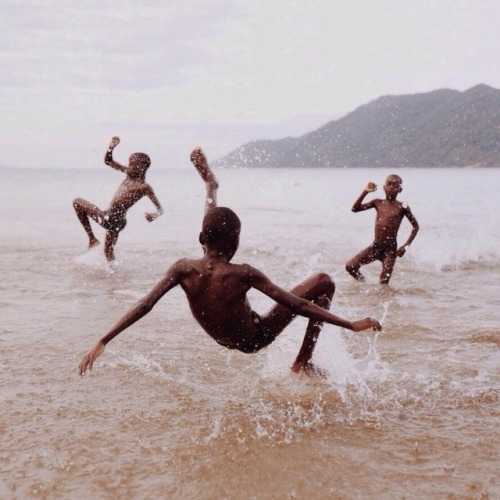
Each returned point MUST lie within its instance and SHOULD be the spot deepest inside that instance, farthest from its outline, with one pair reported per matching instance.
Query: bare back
(216, 292)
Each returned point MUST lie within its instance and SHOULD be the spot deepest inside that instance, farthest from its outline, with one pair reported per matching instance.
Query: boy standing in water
(131, 190)
(217, 289)
(390, 213)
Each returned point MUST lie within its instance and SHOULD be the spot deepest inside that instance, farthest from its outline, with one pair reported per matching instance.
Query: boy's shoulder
(402, 205)
(242, 270)
(183, 265)
(186, 262)
(139, 183)
(244, 267)
(250, 272)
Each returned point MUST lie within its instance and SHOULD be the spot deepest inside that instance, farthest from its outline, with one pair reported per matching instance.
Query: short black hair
(141, 159)
(220, 226)
(397, 177)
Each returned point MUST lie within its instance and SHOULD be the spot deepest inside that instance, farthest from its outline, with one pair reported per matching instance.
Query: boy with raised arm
(131, 190)
(217, 289)
(390, 213)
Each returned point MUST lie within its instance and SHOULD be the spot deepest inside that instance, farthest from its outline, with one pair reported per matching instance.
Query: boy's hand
(401, 251)
(364, 324)
(88, 360)
(150, 217)
(371, 187)
(114, 142)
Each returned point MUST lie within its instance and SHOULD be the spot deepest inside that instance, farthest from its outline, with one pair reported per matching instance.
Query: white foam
(344, 371)
(94, 258)
(141, 364)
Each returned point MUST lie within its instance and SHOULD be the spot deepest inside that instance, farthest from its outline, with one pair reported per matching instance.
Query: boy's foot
(200, 162)
(309, 369)
(93, 243)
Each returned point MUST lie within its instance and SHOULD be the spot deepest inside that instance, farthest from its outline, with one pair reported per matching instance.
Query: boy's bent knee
(326, 282)
(324, 278)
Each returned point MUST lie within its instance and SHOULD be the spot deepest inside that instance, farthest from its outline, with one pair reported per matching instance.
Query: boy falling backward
(217, 289)
(131, 190)
(390, 213)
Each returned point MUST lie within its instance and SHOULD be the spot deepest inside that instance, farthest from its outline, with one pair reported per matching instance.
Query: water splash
(95, 259)
(139, 363)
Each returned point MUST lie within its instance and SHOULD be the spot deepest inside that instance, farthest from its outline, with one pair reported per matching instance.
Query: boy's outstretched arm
(402, 249)
(108, 157)
(135, 313)
(359, 206)
(304, 307)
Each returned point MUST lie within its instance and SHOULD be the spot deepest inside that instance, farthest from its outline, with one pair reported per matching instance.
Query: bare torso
(389, 217)
(128, 193)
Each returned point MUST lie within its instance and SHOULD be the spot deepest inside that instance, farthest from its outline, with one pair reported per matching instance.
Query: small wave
(469, 265)
(134, 294)
(140, 363)
(95, 259)
(486, 337)
(475, 256)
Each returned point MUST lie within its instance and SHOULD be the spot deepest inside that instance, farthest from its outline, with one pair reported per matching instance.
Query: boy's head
(393, 186)
(221, 231)
(140, 163)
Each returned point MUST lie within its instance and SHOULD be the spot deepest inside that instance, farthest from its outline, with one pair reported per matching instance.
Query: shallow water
(167, 413)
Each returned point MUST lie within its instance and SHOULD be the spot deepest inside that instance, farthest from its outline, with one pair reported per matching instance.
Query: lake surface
(410, 412)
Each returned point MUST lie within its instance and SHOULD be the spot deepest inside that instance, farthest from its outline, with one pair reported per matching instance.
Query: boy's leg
(109, 244)
(387, 268)
(361, 259)
(319, 289)
(201, 164)
(84, 210)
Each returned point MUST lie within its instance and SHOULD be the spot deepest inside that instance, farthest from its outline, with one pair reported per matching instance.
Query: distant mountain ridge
(442, 128)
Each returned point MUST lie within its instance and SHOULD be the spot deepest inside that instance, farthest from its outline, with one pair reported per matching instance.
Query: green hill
(443, 128)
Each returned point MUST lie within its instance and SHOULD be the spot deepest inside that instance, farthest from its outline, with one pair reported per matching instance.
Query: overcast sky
(169, 75)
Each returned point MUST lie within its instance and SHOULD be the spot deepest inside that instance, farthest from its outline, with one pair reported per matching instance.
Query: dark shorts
(380, 251)
(261, 339)
(112, 222)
